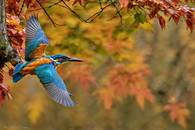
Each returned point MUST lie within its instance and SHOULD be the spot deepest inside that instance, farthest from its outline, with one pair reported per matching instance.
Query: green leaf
(140, 18)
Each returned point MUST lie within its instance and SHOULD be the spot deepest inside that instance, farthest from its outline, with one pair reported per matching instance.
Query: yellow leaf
(107, 96)
(140, 101)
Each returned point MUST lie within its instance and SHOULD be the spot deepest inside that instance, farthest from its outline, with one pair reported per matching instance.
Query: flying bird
(42, 65)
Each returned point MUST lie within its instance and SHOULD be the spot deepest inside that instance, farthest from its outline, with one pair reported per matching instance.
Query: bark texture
(7, 52)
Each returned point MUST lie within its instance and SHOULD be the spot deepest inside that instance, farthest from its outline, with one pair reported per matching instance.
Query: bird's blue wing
(34, 36)
(53, 84)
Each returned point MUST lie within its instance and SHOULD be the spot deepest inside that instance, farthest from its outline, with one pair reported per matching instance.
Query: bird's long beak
(75, 60)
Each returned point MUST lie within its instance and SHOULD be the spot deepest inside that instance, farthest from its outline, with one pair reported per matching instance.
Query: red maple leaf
(4, 91)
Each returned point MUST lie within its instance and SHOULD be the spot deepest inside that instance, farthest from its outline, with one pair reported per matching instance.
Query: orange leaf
(106, 96)
(11, 70)
(178, 113)
(141, 94)
(82, 74)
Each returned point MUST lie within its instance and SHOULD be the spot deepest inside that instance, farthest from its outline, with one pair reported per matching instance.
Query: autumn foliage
(16, 33)
(178, 112)
(81, 75)
(114, 68)
(122, 82)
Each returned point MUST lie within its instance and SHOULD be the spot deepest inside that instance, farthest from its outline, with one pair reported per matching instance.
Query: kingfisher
(42, 65)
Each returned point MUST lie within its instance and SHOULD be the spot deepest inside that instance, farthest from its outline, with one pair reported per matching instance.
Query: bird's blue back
(17, 74)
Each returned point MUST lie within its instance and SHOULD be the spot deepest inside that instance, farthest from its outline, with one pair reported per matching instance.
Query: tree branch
(65, 5)
(7, 52)
(45, 12)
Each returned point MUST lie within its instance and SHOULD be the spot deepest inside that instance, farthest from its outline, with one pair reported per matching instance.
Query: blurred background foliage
(135, 76)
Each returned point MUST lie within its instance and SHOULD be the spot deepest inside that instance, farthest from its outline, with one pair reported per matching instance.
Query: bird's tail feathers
(17, 75)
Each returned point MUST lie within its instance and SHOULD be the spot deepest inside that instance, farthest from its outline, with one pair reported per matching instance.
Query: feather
(60, 96)
(23, 69)
(53, 84)
(35, 36)
(17, 75)
(31, 27)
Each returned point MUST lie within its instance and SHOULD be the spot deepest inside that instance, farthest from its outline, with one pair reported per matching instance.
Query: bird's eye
(61, 59)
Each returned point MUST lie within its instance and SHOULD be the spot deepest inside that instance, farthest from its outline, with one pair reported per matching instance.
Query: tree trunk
(7, 52)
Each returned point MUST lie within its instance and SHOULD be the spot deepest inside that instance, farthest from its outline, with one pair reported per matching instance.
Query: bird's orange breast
(29, 69)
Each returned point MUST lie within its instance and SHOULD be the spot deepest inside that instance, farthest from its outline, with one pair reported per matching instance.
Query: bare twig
(118, 12)
(90, 18)
(21, 8)
(95, 15)
(65, 5)
(48, 7)
(100, 4)
(46, 12)
(76, 14)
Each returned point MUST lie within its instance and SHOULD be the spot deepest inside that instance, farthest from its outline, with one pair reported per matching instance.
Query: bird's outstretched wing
(36, 40)
(53, 84)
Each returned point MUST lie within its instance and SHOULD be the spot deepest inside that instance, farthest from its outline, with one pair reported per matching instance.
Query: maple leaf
(28, 2)
(121, 82)
(81, 2)
(153, 12)
(190, 24)
(176, 1)
(161, 22)
(106, 96)
(141, 95)
(32, 3)
(11, 71)
(114, 46)
(82, 74)
(175, 17)
(178, 112)
(118, 80)
(124, 3)
(171, 8)
(119, 85)
(16, 33)
(4, 91)
(12, 6)
(1, 77)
